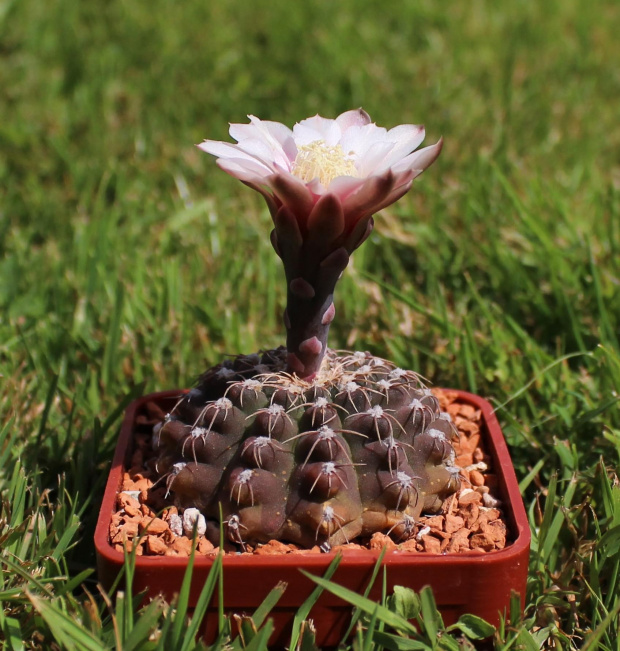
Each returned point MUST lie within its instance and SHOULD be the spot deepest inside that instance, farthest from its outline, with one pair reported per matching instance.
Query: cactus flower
(349, 161)
(323, 181)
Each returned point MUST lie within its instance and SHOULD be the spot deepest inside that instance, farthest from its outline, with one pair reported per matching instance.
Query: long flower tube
(323, 181)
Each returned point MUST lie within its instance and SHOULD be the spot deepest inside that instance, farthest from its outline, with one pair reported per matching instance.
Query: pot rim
(513, 507)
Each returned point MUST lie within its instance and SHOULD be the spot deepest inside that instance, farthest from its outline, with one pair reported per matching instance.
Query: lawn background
(129, 262)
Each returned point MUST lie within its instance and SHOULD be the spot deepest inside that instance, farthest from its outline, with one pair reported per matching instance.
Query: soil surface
(471, 520)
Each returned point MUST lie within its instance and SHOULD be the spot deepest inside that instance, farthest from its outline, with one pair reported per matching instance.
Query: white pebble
(175, 523)
(133, 494)
(489, 501)
(423, 532)
(481, 466)
(191, 518)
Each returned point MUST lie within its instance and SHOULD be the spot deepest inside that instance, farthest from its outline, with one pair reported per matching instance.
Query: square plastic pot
(478, 583)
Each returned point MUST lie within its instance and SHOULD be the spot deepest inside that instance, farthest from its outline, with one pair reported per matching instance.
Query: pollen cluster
(321, 161)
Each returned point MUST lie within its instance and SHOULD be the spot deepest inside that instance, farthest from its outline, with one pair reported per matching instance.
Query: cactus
(299, 443)
(361, 448)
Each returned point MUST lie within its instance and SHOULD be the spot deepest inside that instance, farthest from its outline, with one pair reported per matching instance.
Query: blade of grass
(268, 603)
(261, 641)
(146, 623)
(182, 601)
(396, 643)
(372, 625)
(593, 640)
(67, 631)
(357, 612)
(429, 616)
(368, 606)
(306, 607)
(12, 632)
(200, 610)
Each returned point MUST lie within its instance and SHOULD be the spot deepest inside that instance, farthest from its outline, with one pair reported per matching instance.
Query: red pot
(480, 584)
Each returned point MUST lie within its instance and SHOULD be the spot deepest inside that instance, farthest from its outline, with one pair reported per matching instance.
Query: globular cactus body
(361, 448)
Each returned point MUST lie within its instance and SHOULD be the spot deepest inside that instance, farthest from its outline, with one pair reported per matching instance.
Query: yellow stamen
(322, 161)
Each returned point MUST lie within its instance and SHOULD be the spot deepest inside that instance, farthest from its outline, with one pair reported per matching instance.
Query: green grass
(129, 263)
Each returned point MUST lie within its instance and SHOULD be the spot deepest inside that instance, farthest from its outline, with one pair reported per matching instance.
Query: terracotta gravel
(471, 520)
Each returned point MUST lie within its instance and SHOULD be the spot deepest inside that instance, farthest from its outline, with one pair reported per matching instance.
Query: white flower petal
(419, 160)
(243, 131)
(279, 135)
(317, 128)
(357, 140)
(406, 137)
(355, 118)
(228, 150)
(385, 163)
(305, 135)
(276, 137)
(374, 157)
(260, 150)
(243, 169)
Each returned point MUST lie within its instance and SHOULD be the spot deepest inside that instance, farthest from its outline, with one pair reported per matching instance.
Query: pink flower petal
(371, 194)
(226, 150)
(421, 159)
(406, 137)
(394, 196)
(288, 235)
(316, 189)
(355, 118)
(267, 196)
(401, 178)
(359, 233)
(326, 221)
(293, 194)
(241, 169)
(343, 186)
